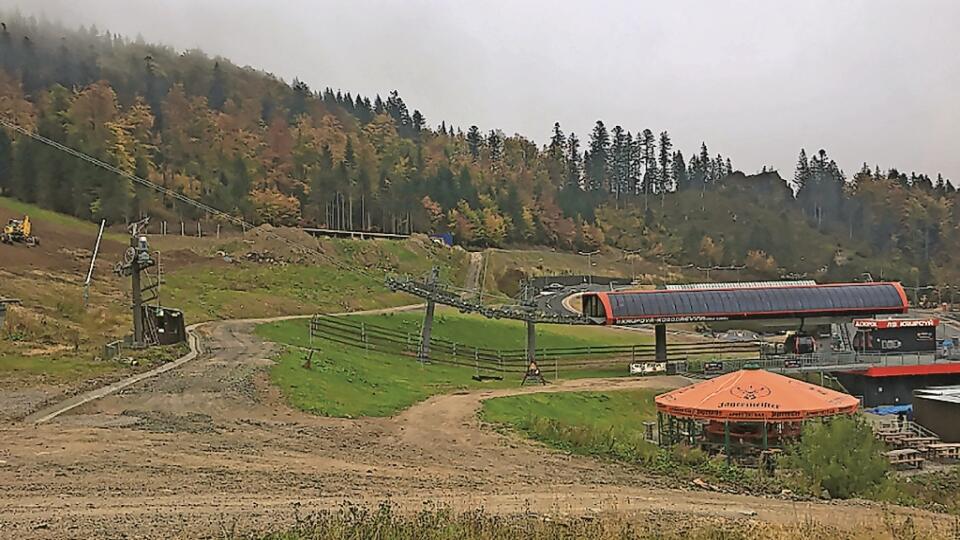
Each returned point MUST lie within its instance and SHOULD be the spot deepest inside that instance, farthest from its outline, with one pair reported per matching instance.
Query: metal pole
(137, 298)
(159, 278)
(93, 260)
(531, 342)
(726, 439)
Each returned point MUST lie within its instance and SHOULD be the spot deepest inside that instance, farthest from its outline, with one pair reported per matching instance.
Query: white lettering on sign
(895, 323)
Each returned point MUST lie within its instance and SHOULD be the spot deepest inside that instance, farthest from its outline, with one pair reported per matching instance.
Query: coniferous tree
(619, 162)
(574, 162)
(597, 162)
(680, 172)
(802, 173)
(474, 142)
(217, 95)
(558, 143)
(665, 182)
(418, 122)
(495, 144)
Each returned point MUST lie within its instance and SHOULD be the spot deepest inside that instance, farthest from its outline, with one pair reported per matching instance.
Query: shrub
(840, 456)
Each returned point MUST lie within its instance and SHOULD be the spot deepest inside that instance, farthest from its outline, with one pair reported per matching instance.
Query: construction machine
(19, 231)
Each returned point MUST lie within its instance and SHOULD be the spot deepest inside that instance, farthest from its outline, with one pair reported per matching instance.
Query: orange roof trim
(754, 396)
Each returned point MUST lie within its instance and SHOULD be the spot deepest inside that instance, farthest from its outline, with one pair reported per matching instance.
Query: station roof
(949, 394)
(737, 303)
(755, 395)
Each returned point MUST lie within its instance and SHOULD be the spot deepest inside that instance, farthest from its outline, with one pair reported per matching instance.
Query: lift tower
(135, 260)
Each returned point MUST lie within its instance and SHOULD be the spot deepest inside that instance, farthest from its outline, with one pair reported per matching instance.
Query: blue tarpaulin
(884, 410)
(444, 238)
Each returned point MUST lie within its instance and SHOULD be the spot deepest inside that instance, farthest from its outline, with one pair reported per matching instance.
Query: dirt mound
(268, 244)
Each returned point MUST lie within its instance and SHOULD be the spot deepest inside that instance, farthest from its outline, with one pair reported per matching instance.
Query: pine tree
(474, 142)
(651, 175)
(680, 172)
(802, 173)
(705, 166)
(574, 162)
(665, 182)
(418, 122)
(217, 95)
(495, 144)
(619, 162)
(719, 169)
(558, 143)
(597, 163)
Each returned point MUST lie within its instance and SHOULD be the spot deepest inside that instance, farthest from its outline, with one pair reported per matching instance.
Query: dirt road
(210, 446)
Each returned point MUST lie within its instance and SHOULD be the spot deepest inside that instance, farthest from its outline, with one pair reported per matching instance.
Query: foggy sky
(868, 80)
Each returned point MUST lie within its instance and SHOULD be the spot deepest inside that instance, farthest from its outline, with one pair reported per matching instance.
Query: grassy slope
(504, 334)
(351, 382)
(217, 290)
(54, 338)
(37, 214)
(580, 417)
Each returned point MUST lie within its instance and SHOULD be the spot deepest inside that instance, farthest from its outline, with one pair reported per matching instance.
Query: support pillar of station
(660, 347)
(531, 342)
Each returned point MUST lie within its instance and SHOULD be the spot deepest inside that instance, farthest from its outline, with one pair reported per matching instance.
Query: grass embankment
(218, 290)
(840, 457)
(54, 337)
(443, 524)
(504, 333)
(38, 215)
(348, 381)
(609, 425)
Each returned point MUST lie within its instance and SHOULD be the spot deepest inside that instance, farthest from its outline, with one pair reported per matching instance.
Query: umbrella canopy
(753, 395)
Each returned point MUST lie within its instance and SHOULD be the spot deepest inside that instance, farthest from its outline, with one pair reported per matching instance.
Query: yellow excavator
(19, 231)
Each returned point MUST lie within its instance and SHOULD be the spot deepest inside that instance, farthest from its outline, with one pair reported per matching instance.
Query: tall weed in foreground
(385, 522)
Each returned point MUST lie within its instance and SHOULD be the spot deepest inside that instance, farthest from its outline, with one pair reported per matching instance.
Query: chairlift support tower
(136, 259)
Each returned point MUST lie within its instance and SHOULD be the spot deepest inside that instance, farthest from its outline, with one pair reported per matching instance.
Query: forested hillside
(244, 141)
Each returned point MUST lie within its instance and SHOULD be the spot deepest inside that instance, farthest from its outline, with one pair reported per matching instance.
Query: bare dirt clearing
(211, 446)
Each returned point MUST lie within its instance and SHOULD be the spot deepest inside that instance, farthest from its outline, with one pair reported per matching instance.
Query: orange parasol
(754, 395)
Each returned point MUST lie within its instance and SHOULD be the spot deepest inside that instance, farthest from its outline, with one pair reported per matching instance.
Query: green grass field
(347, 381)
(591, 423)
(474, 330)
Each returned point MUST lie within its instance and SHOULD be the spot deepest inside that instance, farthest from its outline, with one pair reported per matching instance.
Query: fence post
(633, 354)
(182, 230)
(556, 367)
(500, 363)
